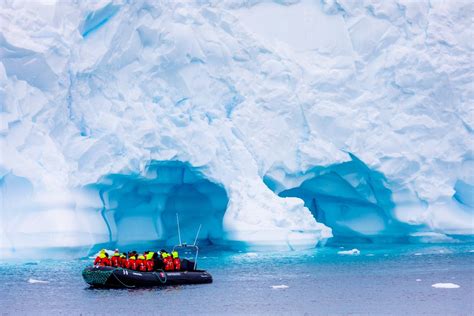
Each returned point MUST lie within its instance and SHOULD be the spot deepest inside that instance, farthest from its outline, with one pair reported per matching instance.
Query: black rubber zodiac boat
(110, 277)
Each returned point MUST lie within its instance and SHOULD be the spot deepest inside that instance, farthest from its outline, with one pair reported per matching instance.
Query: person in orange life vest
(132, 261)
(126, 261)
(150, 260)
(123, 260)
(115, 260)
(167, 261)
(102, 259)
(141, 263)
(176, 261)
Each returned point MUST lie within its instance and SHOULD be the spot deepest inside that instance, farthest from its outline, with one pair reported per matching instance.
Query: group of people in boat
(145, 262)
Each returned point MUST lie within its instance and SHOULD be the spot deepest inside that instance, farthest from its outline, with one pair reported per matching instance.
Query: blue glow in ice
(142, 208)
(350, 198)
(96, 19)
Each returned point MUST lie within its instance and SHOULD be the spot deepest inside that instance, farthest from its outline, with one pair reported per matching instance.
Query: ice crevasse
(273, 124)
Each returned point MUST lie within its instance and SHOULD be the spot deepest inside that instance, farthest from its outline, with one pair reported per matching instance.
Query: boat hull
(126, 278)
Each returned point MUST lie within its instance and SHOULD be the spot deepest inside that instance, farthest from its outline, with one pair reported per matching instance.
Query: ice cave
(352, 199)
(142, 209)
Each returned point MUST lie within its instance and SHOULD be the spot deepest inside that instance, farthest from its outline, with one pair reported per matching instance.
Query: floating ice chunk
(352, 252)
(370, 255)
(279, 287)
(418, 280)
(445, 286)
(35, 281)
(251, 254)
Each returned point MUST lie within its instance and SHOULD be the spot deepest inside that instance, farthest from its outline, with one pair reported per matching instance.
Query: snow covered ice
(445, 286)
(274, 124)
(352, 252)
(35, 281)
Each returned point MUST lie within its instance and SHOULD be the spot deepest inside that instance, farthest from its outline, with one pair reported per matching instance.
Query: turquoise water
(394, 281)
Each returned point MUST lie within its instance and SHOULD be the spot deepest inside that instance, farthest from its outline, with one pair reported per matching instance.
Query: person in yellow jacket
(102, 259)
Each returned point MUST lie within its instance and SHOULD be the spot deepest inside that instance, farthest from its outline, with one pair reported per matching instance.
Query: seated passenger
(158, 261)
(123, 260)
(150, 260)
(187, 265)
(141, 263)
(115, 260)
(176, 260)
(167, 261)
(132, 261)
(102, 259)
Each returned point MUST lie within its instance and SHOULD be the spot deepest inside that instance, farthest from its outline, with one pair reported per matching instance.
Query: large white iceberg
(235, 114)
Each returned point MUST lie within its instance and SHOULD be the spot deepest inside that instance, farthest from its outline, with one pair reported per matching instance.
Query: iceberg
(274, 124)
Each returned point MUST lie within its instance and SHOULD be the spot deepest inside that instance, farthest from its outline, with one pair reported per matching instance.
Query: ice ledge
(139, 209)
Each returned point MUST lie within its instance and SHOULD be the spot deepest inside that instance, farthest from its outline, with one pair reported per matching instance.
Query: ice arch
(141, 209)
(350, 198)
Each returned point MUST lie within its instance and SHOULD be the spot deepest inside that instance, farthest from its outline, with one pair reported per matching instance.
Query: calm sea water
(388, 281)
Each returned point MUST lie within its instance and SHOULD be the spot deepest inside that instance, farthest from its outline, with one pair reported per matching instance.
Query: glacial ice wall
(239, 91)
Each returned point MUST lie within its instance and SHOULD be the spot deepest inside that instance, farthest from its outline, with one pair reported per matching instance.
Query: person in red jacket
(132, 261)
(141, 263)
(176, 260)
(102, 259)
(167, 261)
(150, 260)
(123, 260)
(115, 260)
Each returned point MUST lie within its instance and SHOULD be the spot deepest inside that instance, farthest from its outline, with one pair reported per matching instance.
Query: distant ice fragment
(35, 281)
(418, 280)
(445, 286)
(278, 287)
(430, 237)
(352, 252)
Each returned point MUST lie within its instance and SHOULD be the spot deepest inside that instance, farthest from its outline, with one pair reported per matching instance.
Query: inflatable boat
(126, 278)
(111, 277)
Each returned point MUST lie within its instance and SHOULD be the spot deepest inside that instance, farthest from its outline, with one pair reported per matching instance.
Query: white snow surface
(239, 90)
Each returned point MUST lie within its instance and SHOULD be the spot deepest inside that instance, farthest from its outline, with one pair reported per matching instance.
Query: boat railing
(188, 248)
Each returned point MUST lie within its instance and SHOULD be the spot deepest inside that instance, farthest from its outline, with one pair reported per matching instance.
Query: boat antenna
(179, 231)
(195, 239)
